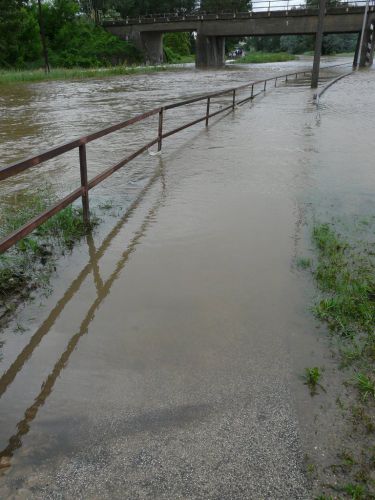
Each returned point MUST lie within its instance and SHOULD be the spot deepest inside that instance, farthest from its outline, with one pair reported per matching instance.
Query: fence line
(80, 144)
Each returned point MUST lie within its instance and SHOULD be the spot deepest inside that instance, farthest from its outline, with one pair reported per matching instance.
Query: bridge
(274, 17)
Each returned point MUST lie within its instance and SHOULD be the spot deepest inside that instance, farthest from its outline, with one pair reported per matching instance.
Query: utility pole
(362, 35)
(43, 37)
(318, 44)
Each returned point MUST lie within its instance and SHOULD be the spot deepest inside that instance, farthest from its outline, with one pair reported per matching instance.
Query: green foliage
(28, 264)
(225, 5)
(348, 282)
(83, 44)
(19, 33)
(332, 44)
(345, 276)
(312, 377)
(263, 43)
(134, 8)
(172, 57)
(304, 262)
(72, 39)
(355, 491)
(336, 44)
(297, 44)
(177, 48)
(179, 43)
(365, 385)
(8, 77)
(264, 57)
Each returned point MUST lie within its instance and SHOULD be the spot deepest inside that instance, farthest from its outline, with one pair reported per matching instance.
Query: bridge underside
(213, 30)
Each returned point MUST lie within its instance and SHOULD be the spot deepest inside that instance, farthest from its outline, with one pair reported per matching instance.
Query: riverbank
(8, 77)
(39, 75)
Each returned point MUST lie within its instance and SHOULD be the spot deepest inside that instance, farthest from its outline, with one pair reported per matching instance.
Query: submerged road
(173, 372)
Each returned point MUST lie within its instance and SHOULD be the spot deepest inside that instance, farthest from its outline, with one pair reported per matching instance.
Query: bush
(80, 43)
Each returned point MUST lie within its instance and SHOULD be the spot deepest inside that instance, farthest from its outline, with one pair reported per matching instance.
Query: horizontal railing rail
(80, 144)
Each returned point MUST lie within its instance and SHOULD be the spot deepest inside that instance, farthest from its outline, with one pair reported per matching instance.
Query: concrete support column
(210, 51)
(318, 45)
(367, 52)
(151, 44)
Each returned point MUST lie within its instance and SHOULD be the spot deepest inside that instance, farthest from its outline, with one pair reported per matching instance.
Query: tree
(19, 39)
(135, 8)
(225, 5)
(178, 42)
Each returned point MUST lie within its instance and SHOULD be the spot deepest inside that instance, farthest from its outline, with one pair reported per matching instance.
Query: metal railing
(254, 88)
(258, 6)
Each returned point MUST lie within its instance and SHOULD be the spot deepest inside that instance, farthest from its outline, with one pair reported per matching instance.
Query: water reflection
(102, 288)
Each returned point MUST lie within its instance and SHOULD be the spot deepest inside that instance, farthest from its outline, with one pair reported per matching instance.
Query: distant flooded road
(165, 363)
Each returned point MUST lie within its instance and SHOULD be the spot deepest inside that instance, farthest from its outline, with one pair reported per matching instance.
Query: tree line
(72, 33)
(73, 36)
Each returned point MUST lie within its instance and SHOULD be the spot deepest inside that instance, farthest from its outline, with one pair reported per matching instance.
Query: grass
(265, 57)
(304, 263)
(312, 377)
(345, 276)
(29, 264)
(38, 75)
(365, 385)
(348, 283)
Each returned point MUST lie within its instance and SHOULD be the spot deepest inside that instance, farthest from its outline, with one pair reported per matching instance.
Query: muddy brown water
(165, 363)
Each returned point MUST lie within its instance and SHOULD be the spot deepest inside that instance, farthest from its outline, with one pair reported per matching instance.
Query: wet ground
(166, 362)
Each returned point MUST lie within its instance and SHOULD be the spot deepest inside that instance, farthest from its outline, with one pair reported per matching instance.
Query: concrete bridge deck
(274, 22)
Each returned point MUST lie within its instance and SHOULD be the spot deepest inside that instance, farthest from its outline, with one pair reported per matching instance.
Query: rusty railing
(80, 144)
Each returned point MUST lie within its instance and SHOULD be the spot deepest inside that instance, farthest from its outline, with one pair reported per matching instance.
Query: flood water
(166, 361)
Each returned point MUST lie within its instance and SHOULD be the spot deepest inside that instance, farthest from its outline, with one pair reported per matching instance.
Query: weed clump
(312, 378)
(29, 264)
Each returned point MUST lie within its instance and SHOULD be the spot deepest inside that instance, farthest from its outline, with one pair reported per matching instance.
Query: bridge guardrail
(258, 6)
(80, 144)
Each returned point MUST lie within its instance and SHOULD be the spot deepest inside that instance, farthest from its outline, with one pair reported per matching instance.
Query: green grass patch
(312, 377)
(265, 57)
(28, 265)
(304, 263)
(345, 275)
(38, 75)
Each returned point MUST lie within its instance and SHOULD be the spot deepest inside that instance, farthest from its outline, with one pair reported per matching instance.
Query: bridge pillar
(210, 51)
(152, 46)
(367, 52)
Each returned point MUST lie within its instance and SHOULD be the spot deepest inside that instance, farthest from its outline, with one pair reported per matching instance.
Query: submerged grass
(38, 75)
(345, 275)
(28, 265)
(265, 57)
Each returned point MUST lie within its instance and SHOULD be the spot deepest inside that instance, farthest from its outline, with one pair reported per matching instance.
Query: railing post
(276, 82)
(160, 131)
(84, 184)
(234, 98)
(265, 85)
(252, 92)
(208, 110)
